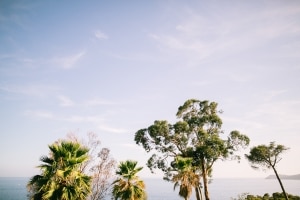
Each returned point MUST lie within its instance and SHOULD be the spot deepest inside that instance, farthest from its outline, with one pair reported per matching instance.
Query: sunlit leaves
(61, 177)
(128, 186)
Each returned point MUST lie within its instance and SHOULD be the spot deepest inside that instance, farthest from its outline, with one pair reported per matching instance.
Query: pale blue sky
(113, 67)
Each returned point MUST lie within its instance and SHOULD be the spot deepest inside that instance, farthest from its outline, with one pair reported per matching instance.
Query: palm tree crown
(186, 178)
(60, 175)
(128, 186)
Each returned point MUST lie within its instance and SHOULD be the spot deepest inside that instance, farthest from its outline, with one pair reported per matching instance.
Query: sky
(114, 67)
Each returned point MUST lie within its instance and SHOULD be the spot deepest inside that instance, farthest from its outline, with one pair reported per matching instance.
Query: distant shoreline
(285, 177)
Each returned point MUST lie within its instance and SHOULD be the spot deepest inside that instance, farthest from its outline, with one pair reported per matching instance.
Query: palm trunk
(281, 185)
(205, 181)
(201, 195)
(198, 193)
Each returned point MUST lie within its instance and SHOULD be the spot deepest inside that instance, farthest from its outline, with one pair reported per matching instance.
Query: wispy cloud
(65, 101)
(69, 62)
(198, 37)
(109, 129)
(30, 90)
(80, 118)
(273, 94)
(39, 114)
(274, 117)
(285, 23)
(98, 102)
(42, 114)
(12, 18)
(136, 56)
(201, 83)
(100, 35)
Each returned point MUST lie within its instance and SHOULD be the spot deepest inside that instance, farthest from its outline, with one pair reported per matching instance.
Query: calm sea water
(13, 188)
(157, 189)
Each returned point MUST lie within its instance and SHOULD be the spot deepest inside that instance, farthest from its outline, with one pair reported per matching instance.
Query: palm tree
(128, 186)
(186, 178)
(60, 174)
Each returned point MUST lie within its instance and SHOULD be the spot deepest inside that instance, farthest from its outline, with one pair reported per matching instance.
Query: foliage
(128, 186)
(242, 196)
(275, 196)
(197, 135)
(265, 156)
(186, 178)
(60, 176)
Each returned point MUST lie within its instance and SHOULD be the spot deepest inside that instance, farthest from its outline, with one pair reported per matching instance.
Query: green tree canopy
(265, 156)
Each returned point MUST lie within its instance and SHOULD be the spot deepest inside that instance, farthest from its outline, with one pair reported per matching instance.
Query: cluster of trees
(187, 150)
(73, 169)
(184, 151)
(82, 170)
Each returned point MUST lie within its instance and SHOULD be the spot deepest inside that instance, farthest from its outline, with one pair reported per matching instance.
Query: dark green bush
(275, 196)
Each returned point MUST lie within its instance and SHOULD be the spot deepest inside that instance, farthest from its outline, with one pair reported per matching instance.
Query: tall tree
(267, 157)
(128, 186)
(196, 135)
(100, 165)
(60, 176)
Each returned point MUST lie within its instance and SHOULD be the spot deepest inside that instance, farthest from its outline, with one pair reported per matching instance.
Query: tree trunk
(205, 181)
(198, 193)
(281, 185)
(201, 195)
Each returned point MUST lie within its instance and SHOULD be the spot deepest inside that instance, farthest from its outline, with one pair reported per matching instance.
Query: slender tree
(267, 157)
(100, 166)
(128, 186)
(60, 176)
(196, 135)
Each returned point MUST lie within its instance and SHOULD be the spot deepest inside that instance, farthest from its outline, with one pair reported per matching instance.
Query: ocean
(157, 189)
